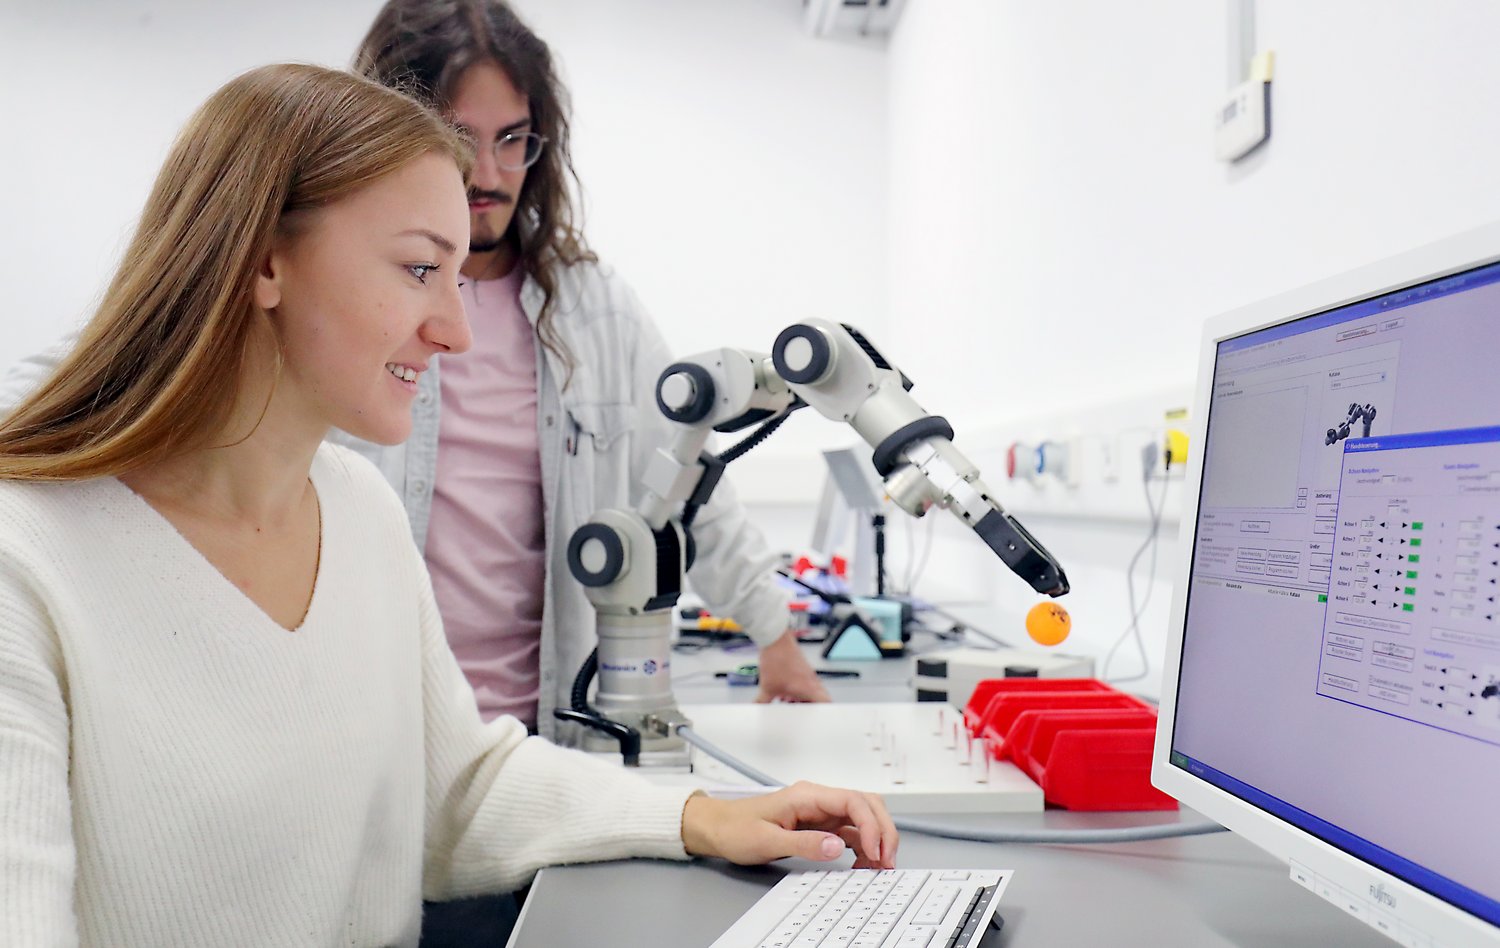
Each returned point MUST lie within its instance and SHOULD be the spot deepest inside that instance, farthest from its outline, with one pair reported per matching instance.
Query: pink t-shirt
(485, 546)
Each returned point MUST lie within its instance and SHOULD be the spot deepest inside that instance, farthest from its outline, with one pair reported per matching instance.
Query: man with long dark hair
(552, 415)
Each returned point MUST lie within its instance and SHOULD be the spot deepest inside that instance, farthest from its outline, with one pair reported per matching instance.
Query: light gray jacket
(595, 438)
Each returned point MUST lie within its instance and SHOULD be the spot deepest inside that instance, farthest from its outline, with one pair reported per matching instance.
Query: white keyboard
(866, 908)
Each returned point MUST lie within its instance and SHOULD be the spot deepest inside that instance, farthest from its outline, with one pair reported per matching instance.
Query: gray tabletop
(1198, 891)
(693, 680)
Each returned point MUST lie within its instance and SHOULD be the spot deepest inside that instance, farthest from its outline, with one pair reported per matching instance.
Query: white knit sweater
(177, 769)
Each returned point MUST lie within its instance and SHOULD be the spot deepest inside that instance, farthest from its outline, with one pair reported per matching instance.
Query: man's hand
(786, 675)
(806, 820)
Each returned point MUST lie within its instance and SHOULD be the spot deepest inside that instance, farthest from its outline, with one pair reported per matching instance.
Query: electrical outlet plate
(1109, 461)
(1054, 459)
(1242, 122)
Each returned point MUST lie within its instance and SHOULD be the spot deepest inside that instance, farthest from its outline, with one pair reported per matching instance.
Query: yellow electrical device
(1175, 447)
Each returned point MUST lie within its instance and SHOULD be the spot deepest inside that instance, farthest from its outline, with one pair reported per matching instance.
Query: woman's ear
(268, 277)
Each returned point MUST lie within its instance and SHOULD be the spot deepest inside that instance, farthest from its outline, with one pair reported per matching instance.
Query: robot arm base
(629, 737)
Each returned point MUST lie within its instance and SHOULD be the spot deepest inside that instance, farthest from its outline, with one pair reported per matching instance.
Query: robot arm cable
(739, 450)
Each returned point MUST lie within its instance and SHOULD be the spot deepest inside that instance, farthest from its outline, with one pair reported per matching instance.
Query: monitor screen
(1340, 639)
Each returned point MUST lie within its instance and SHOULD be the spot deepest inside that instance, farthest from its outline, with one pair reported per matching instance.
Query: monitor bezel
(1426, 914)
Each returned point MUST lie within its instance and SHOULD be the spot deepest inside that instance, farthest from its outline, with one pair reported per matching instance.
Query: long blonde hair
(158, 370)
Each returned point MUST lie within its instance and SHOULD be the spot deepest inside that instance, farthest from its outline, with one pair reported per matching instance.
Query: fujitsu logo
(1379, 894)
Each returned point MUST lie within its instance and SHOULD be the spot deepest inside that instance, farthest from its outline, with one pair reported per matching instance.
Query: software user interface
(1341, 653)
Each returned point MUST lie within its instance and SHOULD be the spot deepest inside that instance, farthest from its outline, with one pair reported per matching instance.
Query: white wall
(1058, 218)
(1055, 204)
(94, 92)
(734, 168)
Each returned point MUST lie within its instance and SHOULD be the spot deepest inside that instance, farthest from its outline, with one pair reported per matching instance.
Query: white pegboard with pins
(918, 757)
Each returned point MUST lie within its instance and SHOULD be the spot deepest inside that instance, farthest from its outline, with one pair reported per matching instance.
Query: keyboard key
(936, 906)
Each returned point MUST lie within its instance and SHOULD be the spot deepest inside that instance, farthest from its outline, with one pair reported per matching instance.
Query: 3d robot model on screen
(1357, 412)
(632, 562)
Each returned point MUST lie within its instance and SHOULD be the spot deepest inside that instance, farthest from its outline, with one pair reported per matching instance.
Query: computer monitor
(1332, 683)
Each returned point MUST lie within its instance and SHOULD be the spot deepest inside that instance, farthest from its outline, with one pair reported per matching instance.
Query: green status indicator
(1416, 541)
(1322, 597)
(1410, 590)
(1415, 558)
(1411, 574)
(1416, 524)
(1408, 607)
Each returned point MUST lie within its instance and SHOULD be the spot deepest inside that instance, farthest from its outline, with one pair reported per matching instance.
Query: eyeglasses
(514, 151)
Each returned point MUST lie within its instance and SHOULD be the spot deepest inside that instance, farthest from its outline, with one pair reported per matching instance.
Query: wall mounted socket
(1056, 459)
(1243, 120)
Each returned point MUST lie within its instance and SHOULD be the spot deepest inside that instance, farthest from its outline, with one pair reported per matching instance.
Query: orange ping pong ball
(1048, 623)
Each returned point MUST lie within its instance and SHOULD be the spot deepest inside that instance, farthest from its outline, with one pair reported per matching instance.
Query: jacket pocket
(597, 425)
(598, 461)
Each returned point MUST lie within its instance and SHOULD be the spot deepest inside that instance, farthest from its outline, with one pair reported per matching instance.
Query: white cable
(911, 551)
(1124, 834)
(1138, 611)
(915, 571)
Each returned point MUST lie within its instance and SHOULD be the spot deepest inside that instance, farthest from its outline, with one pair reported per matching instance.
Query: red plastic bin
(1087, 745)
(1091, 760)
(1004, 709)
(986, 690)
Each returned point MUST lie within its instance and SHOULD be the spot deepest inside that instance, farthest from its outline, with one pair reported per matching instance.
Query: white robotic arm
(836, 370)
(632, 562)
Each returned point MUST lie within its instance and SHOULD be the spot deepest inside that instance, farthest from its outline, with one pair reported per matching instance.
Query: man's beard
(487, 241)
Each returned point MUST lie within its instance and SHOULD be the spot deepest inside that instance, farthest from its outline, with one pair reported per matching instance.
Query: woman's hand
(805, 820)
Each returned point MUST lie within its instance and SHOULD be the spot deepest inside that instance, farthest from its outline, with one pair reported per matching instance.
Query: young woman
(228, 712)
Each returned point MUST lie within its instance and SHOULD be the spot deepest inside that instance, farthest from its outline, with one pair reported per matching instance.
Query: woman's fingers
(866, 813)
(806, 820)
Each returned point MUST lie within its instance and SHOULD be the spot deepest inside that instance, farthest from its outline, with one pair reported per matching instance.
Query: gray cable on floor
(1124, 834)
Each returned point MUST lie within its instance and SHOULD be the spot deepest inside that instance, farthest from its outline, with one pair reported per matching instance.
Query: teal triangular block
(854, 644)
